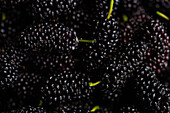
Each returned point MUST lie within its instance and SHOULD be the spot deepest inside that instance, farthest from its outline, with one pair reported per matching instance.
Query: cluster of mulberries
(82, 56)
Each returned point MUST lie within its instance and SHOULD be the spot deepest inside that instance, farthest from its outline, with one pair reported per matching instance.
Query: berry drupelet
(151, 92)
(129, 29)
(126, 61)
(129, 7)
(79, 56)
(81, 21)
(157, 40)
(31, 109)
(27, 87)
(101, 51)
(76, 107)
(152, 6)
(12, 21)
(66, 87)
(106, 9)
(129, 109)
(46, 63)
(10, 62)
(13, 3)
(47, 37)
(53, 8)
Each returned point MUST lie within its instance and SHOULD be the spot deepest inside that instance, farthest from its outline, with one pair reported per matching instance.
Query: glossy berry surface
(84, 56)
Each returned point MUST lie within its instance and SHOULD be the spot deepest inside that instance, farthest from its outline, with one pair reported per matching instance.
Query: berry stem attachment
(95, 108)
(40, 104)
(162, 15)
(111, 9)
(3, 16)
(125, 18)
(76, 60)
(94, 84)
(88, 41)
